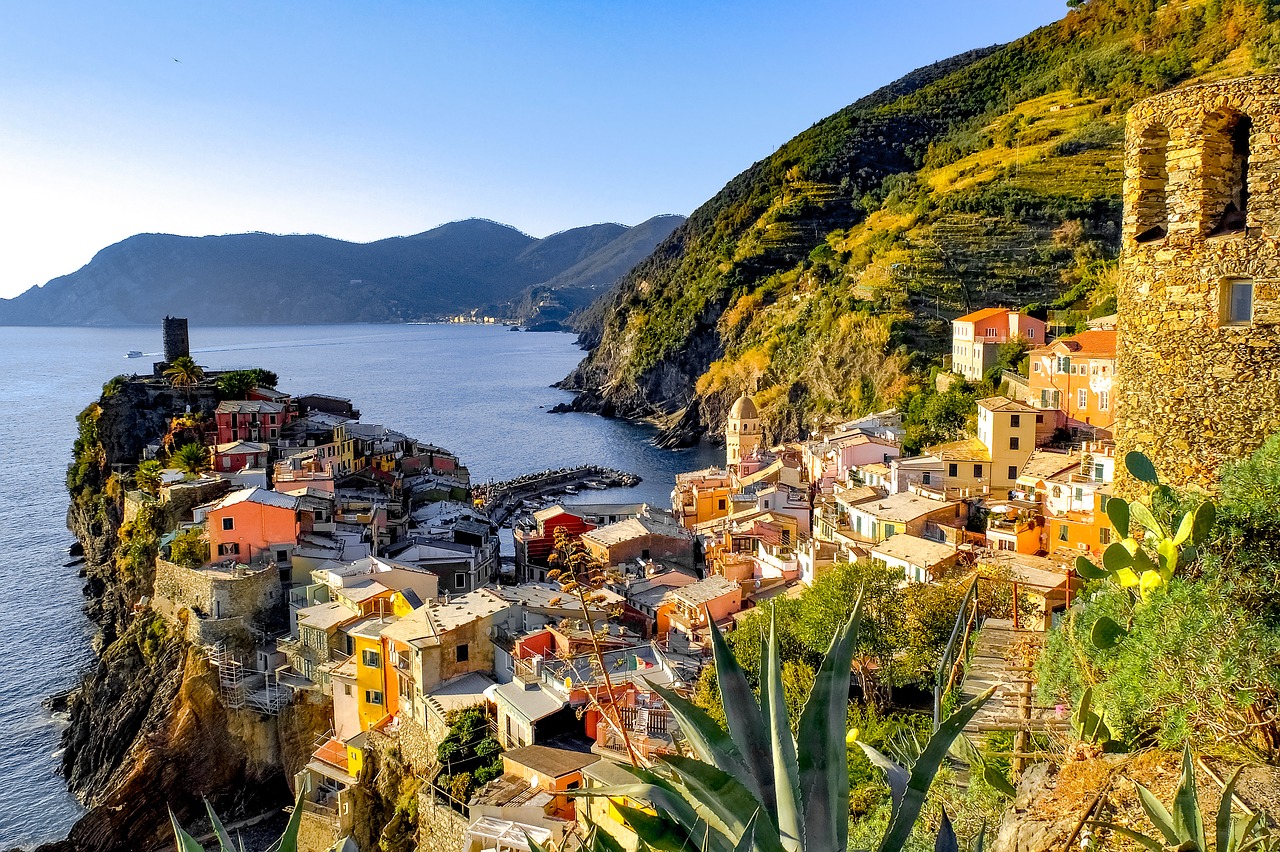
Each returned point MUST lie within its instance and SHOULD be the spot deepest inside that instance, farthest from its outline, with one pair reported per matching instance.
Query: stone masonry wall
(243, 598)
(1194, 388)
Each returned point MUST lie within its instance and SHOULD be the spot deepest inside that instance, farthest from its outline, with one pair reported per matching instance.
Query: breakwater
(502, 499)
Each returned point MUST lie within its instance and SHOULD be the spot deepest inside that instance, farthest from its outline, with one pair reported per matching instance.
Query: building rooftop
(533, 702)
(324, 616)
(914, 550)
(242, 447)
(966, 449)
(371, 627)
(633, 528)
(699, 593)
(459, 693)
(1003, 403)
(744, 408)
(257, 495)
(429, 624)
(550, 596)
(902, 508)
(979, 316)
(250, 406)
(1095, 343)
(552, 762)
(1045, 464)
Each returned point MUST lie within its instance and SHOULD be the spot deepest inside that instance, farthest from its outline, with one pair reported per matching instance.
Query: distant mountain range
(473, 265)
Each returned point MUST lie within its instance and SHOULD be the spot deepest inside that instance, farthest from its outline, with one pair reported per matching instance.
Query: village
(328, 561)
(325, 561)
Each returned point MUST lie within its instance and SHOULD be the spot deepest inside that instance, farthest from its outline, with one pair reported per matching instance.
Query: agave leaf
(1140, 513)
(1141, 467)
(534, 846)
(746, 722)
(1118, 513)
(1115, 558)
(1243, 827)
(1149, 842)
(824, 754)
(711, 743)
(722, 800)
(224, 839)
(972, 755)
(1223, 828)
(946, 840)
(786, 769)
(897, 776)
(1202, 525)
(1106, 633)
(923, 772)
(1158, 814)
(1187, 821)
(747, 842)
(288, 841)
(186, 843)
(661, 834)
(1086, 569)
(656, 790)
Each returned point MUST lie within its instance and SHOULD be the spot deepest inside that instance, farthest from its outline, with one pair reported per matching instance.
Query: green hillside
(827, 274)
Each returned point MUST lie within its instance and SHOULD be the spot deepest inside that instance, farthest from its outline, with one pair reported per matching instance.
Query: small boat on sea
(133, 353)
(569, 489)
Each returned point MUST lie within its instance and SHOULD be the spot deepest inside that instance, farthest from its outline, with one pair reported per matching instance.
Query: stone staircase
(1012, 707)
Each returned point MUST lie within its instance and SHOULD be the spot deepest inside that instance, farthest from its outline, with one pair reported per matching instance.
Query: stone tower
(1198, 348)
(742, 433)
(176, 343)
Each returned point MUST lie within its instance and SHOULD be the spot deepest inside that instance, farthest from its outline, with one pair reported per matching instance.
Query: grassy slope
(828, 272)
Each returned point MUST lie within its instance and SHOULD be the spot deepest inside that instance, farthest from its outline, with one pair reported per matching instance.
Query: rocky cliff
(148, 730)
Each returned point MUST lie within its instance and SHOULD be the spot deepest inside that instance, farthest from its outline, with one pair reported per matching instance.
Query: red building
(251, 420)
(228, 458)
(534, 546)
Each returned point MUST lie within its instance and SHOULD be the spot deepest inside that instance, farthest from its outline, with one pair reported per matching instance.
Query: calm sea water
(480, 391)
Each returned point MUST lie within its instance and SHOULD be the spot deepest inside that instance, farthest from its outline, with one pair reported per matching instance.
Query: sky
(363, 120)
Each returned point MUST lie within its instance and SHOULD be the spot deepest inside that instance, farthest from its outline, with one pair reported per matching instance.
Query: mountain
(827, 273)
(267, 278)
(557, 302)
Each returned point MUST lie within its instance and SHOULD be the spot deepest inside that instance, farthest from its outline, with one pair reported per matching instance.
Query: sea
(482, 391)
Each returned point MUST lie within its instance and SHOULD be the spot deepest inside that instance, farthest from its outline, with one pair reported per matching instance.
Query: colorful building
(1076, 375)
(254, 523)
(250, 420)
(975, 338)
(743, 433)
(534, 546)
(238, 455)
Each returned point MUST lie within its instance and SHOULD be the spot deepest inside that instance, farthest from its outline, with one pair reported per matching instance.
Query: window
(1104, 536)
(644, 554)
(1039, 419)
(272, 420)
(346, 689)
(1013, 443)
(1035, 368)
(1064, 364)
(373, 696)
(1015, 421)
(1064, 534)
(720, 504)
(977, 470)
(229, 548)
(459, 580)
(273, 433)
(1236, 301)
(462, 653)
(1099, 470)
(1079, 494)
(925, 480)
(372, 659)
(1104, 400)
(1226, 169)
(1103, 503)
(1013, 472)
(1082, 398)
(282, 556)
(953, 470)
(228, 523)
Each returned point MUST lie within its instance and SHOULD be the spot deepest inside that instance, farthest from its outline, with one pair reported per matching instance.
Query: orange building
(254, 523)
(1076, 375)
(976, 336)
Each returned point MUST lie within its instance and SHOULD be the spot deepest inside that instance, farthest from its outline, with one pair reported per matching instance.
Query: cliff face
(148, 731)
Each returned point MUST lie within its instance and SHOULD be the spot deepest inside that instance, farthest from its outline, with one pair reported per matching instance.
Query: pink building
(238, 455)
(976, 336)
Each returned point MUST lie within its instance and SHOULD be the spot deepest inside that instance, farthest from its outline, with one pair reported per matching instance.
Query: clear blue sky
(368, 119)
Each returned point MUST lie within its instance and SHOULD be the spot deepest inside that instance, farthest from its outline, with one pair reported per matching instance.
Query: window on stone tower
(1235, 301)
(1152, 209)
(1226, 172)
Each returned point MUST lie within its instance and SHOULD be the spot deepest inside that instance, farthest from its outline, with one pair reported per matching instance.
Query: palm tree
(184, 373)
(192, 459)
(147, 477)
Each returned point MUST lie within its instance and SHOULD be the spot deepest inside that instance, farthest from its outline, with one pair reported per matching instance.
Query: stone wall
(181, 498)
(1199, 384)
(217, 605)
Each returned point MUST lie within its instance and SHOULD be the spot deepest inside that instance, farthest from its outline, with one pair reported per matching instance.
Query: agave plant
(287, 842)
(1145, 562)
(755, 786)
(1183, 828)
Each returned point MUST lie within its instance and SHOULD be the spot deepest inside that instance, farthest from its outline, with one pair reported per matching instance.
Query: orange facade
(1076, 375)
(246, 529)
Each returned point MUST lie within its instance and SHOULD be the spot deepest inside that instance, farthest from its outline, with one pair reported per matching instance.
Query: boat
(133, 353)
(569, 489)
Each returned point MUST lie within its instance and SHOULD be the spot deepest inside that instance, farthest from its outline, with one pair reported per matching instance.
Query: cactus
(288, 841)
(1088, 725)
(1147, 554)
(754, 787)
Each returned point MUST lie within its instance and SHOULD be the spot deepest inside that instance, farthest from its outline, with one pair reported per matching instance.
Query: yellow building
(1008, 429)
(742, 432)
(701, 496)
(371, 692)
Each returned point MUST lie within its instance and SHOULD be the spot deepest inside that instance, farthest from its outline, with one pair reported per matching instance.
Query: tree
(147, 477)
(184, 373)
(191, 458)
(235, 384)
(189, 549)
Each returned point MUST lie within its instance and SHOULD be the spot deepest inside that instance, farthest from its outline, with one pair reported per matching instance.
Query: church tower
(742, 434)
